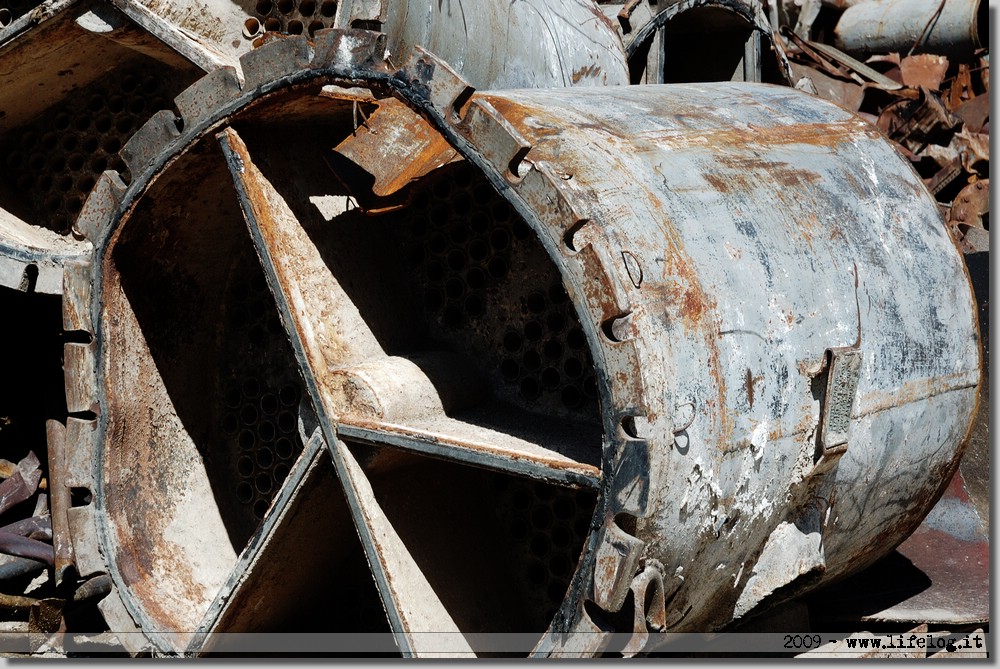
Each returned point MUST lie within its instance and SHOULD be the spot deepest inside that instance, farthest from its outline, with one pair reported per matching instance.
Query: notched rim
(351, 58)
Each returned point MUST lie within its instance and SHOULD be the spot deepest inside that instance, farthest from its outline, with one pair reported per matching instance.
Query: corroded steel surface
(393, 297)
(750, 198)
(61, 57)
(518, 44)
(752, 268)
(512, 45)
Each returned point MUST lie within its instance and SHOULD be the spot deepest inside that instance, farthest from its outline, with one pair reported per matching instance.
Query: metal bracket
(843, 367)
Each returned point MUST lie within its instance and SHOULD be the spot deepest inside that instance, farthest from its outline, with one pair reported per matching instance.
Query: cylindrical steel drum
(710, 344)
(955, 28)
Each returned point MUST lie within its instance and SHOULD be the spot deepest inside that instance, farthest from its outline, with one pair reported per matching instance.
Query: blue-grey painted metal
(547, 43)
(751, 243)
(954, 28)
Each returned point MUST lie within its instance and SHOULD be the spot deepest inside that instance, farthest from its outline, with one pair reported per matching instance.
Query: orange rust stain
(718, 183)
(806, 423)
(588, 71)
(807, 227)
(692, 306)
(683, 294)
(601, 17)
(747, 173)
(776, 434)
(542, 124)
(828, 135)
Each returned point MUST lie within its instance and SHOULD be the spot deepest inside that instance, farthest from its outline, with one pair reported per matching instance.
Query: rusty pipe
(36, 527)
(16, 602)
(97, 587)
(61, 536)
(13, 544)
(953, 28)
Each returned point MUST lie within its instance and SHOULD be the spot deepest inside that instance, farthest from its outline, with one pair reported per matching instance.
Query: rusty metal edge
(326, 428)
(16, 262)
(16, 259)
(110, 205)
(44, 12)
(308, 461)
(173, 37)
(524, 467)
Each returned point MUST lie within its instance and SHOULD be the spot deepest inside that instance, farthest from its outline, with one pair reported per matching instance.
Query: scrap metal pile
(919, 71)
(581, 321)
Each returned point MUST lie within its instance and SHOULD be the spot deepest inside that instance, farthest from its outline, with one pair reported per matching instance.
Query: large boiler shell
(552, 43)
(493, 44)
(755, 270)
(749, 230)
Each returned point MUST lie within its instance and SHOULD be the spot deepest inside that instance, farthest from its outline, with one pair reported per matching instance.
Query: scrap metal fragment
(974, 149)
(924, 70)
(966, 220)
(14, 544)
(841, 63)
(22, 484)
(392, 148)
(95, 588)
(36, 527)
(918, 123)
(975, 113)
(950, 171)
(46, 615)
(845, 92)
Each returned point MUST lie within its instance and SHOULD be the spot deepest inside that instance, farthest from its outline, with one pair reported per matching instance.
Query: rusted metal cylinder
(791, 385)
(493, 45)
(703, 40)
(954, 28)
(777, 325)
(552, 43)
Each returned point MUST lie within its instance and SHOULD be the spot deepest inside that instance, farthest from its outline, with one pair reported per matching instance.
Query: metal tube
(782, 334)
(19, 546)
(15, 567)
(61, 537)
(34, 528)
(953, 28)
